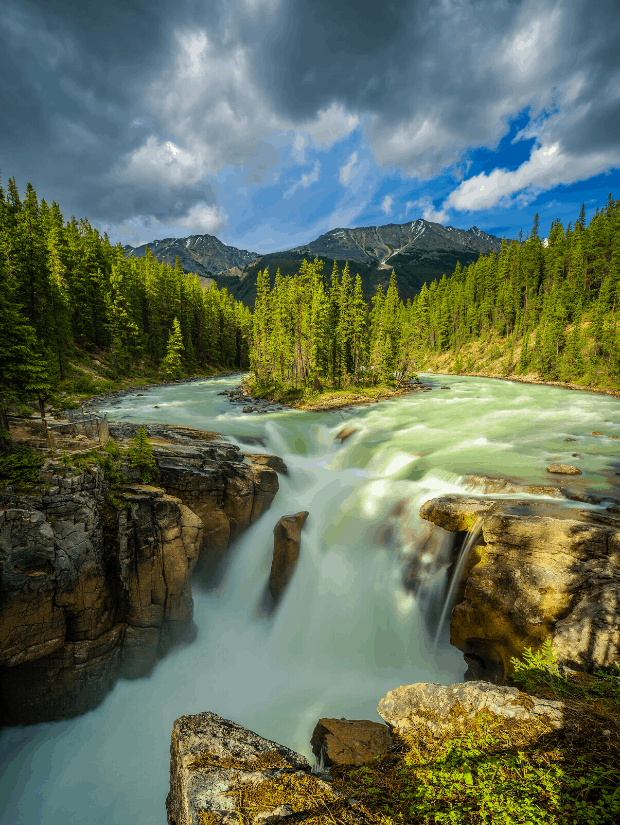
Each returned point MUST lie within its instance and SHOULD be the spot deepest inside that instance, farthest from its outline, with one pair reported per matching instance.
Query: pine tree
(172, 364)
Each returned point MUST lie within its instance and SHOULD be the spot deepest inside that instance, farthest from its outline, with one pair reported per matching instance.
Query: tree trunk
(4, 428)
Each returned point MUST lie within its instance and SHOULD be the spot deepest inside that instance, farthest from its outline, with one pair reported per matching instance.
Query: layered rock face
(534, 574)
(225, 488)
(82, 606)
(90, 593)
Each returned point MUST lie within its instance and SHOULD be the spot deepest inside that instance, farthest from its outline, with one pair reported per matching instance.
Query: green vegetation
(307, 334)
(140, 455)
(67, 295)
(544, 310)
(20, 466)
(549, 310)
(506, 771)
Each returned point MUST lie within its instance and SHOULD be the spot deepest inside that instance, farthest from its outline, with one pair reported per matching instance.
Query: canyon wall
(535, 572)
(89, 592)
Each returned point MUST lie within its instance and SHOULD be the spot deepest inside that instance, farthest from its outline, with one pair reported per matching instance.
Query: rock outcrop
(84, 602)
(286, 541)
(90, 593)
(535, 573)
(437, 711)
(223, 773)
(349, 741)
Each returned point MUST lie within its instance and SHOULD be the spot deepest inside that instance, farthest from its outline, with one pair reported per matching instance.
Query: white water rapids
(347, 631)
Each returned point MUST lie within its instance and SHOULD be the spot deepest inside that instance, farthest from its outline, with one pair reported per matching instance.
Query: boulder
(349, 741)
(432, 710)
(273, 461)
(286, 540)
(221, 772)
(345, 432)
(532, 577)
(564, 469)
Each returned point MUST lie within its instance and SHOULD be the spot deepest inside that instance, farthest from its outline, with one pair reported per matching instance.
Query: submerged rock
(447, 711)
(349, 741)
(286, 541)
(565, 469)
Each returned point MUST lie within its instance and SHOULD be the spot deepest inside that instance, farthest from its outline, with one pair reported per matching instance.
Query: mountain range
(418, 251)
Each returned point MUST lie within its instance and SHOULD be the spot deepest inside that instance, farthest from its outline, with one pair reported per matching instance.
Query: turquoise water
(347, 630)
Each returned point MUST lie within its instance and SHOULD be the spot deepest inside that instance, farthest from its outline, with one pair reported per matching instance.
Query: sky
(269, 122)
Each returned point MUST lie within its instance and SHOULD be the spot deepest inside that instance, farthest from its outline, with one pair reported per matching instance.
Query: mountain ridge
(418, 251)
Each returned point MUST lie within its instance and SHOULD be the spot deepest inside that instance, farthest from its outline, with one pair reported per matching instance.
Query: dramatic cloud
(547, 167)
(146, 114)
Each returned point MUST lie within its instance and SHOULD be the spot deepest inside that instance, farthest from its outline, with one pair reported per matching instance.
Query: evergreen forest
(65, 291)
(543, 309)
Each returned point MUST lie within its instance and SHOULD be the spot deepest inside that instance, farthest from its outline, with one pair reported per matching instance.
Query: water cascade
(364, 612)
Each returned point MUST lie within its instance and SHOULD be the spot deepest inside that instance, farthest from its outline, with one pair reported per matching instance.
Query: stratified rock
(225, 493)
(349, 741)
(565, 469)
(286, 540)
(591, 631)
(535, 577)
(79, 608)
(456, 512)
(88, 595)
(446, 711)
(212, 760)
(274, 461)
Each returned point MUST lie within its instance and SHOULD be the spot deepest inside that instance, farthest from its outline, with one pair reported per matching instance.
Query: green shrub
(20, 466)
(141, 456)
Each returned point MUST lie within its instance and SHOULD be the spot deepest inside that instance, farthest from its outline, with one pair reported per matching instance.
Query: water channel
(348, 629)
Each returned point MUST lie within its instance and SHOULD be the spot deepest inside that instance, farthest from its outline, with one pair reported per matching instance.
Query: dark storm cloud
(73, 80)
(125, 108)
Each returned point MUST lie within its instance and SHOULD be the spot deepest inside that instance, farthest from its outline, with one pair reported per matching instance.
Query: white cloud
(331, 124)
(161, 162)
(347, 170)
(199, 219)
(386, 204)
(548, 166)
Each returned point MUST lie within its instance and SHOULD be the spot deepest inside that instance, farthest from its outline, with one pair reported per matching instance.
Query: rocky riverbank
(90, 592)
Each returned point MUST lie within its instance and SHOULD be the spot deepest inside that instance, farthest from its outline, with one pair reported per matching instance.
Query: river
(347, 629)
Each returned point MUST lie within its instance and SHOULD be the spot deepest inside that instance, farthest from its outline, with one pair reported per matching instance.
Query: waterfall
(349, 627)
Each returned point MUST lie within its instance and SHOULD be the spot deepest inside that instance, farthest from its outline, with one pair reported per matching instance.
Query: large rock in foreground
(349, 741)
(439, 711)
(223, 773)
(531, 577)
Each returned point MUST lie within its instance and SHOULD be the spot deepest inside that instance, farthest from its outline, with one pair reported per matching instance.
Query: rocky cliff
(90, 593)
(536, 571)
